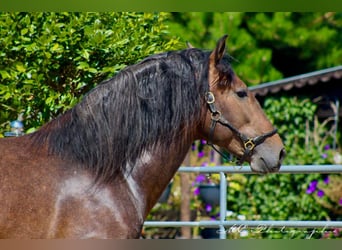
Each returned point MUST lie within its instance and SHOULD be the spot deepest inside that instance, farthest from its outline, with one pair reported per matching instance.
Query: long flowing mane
(143, 106)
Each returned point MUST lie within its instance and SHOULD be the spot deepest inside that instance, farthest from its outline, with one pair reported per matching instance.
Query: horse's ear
(219, 51)
(189, 45)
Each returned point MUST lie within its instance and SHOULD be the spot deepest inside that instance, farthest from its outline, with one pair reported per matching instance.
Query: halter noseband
(248, 142)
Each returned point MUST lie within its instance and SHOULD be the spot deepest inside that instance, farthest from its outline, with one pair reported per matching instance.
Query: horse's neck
(153, 173)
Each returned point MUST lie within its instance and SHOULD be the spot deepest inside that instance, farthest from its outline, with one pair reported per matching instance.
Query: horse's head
(234, 119)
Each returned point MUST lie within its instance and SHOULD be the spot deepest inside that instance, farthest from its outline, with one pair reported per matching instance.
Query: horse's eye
(241, 93)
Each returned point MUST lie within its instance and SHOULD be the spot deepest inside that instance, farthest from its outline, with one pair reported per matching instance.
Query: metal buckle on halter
(249, 144)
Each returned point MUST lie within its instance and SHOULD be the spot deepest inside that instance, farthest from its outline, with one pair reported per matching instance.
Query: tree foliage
(301, 42)
(267, 46)
(49, 60)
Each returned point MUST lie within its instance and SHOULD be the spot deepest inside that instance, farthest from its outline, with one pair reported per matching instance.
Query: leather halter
(248, 143)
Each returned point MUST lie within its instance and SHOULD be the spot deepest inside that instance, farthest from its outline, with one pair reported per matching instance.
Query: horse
(98, 169)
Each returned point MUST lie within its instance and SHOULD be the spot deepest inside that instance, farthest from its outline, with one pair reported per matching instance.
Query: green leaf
(20, 67)
(24, 31)
(4, 74)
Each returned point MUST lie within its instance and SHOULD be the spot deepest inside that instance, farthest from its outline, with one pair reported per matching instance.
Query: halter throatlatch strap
(248, 143)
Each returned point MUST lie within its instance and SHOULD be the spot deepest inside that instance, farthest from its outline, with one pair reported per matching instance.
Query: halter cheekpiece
(248, 142)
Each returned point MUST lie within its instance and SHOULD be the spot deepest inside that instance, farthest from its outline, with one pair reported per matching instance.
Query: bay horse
(97, 170)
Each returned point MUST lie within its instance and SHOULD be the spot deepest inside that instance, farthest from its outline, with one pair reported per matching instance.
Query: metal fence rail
(287, 169)
(223, 224)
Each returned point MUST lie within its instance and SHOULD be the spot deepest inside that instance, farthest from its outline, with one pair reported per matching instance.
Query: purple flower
(327, 147)
(193, 147)
(200, 178)
(208, 208)
(314, 183)
(312, 187)
(203, 142)
(320, 193)
(324, 156)
(310, 190)
(326, 180)
(212, 156)
(340, 202)
(200, 154)
(196, 191)
(205, 164)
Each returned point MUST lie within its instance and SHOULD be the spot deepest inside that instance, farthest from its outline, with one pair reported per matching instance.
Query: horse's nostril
(282, 155)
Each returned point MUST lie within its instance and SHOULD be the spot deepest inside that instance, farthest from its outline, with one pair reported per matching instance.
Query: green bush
(49, 60)
(305, 137)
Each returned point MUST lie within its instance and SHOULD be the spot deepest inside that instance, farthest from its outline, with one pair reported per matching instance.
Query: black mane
(143, 106)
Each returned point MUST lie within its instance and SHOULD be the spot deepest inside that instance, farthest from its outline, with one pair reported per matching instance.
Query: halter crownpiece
(248, 143)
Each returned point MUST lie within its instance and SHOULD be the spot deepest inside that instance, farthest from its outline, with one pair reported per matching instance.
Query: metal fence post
(223, 204)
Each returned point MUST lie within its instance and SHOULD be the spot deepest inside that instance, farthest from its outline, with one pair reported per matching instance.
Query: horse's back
(43, 197)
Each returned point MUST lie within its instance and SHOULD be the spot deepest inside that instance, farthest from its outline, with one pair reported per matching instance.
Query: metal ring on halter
(210, 98)
(216, 116)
